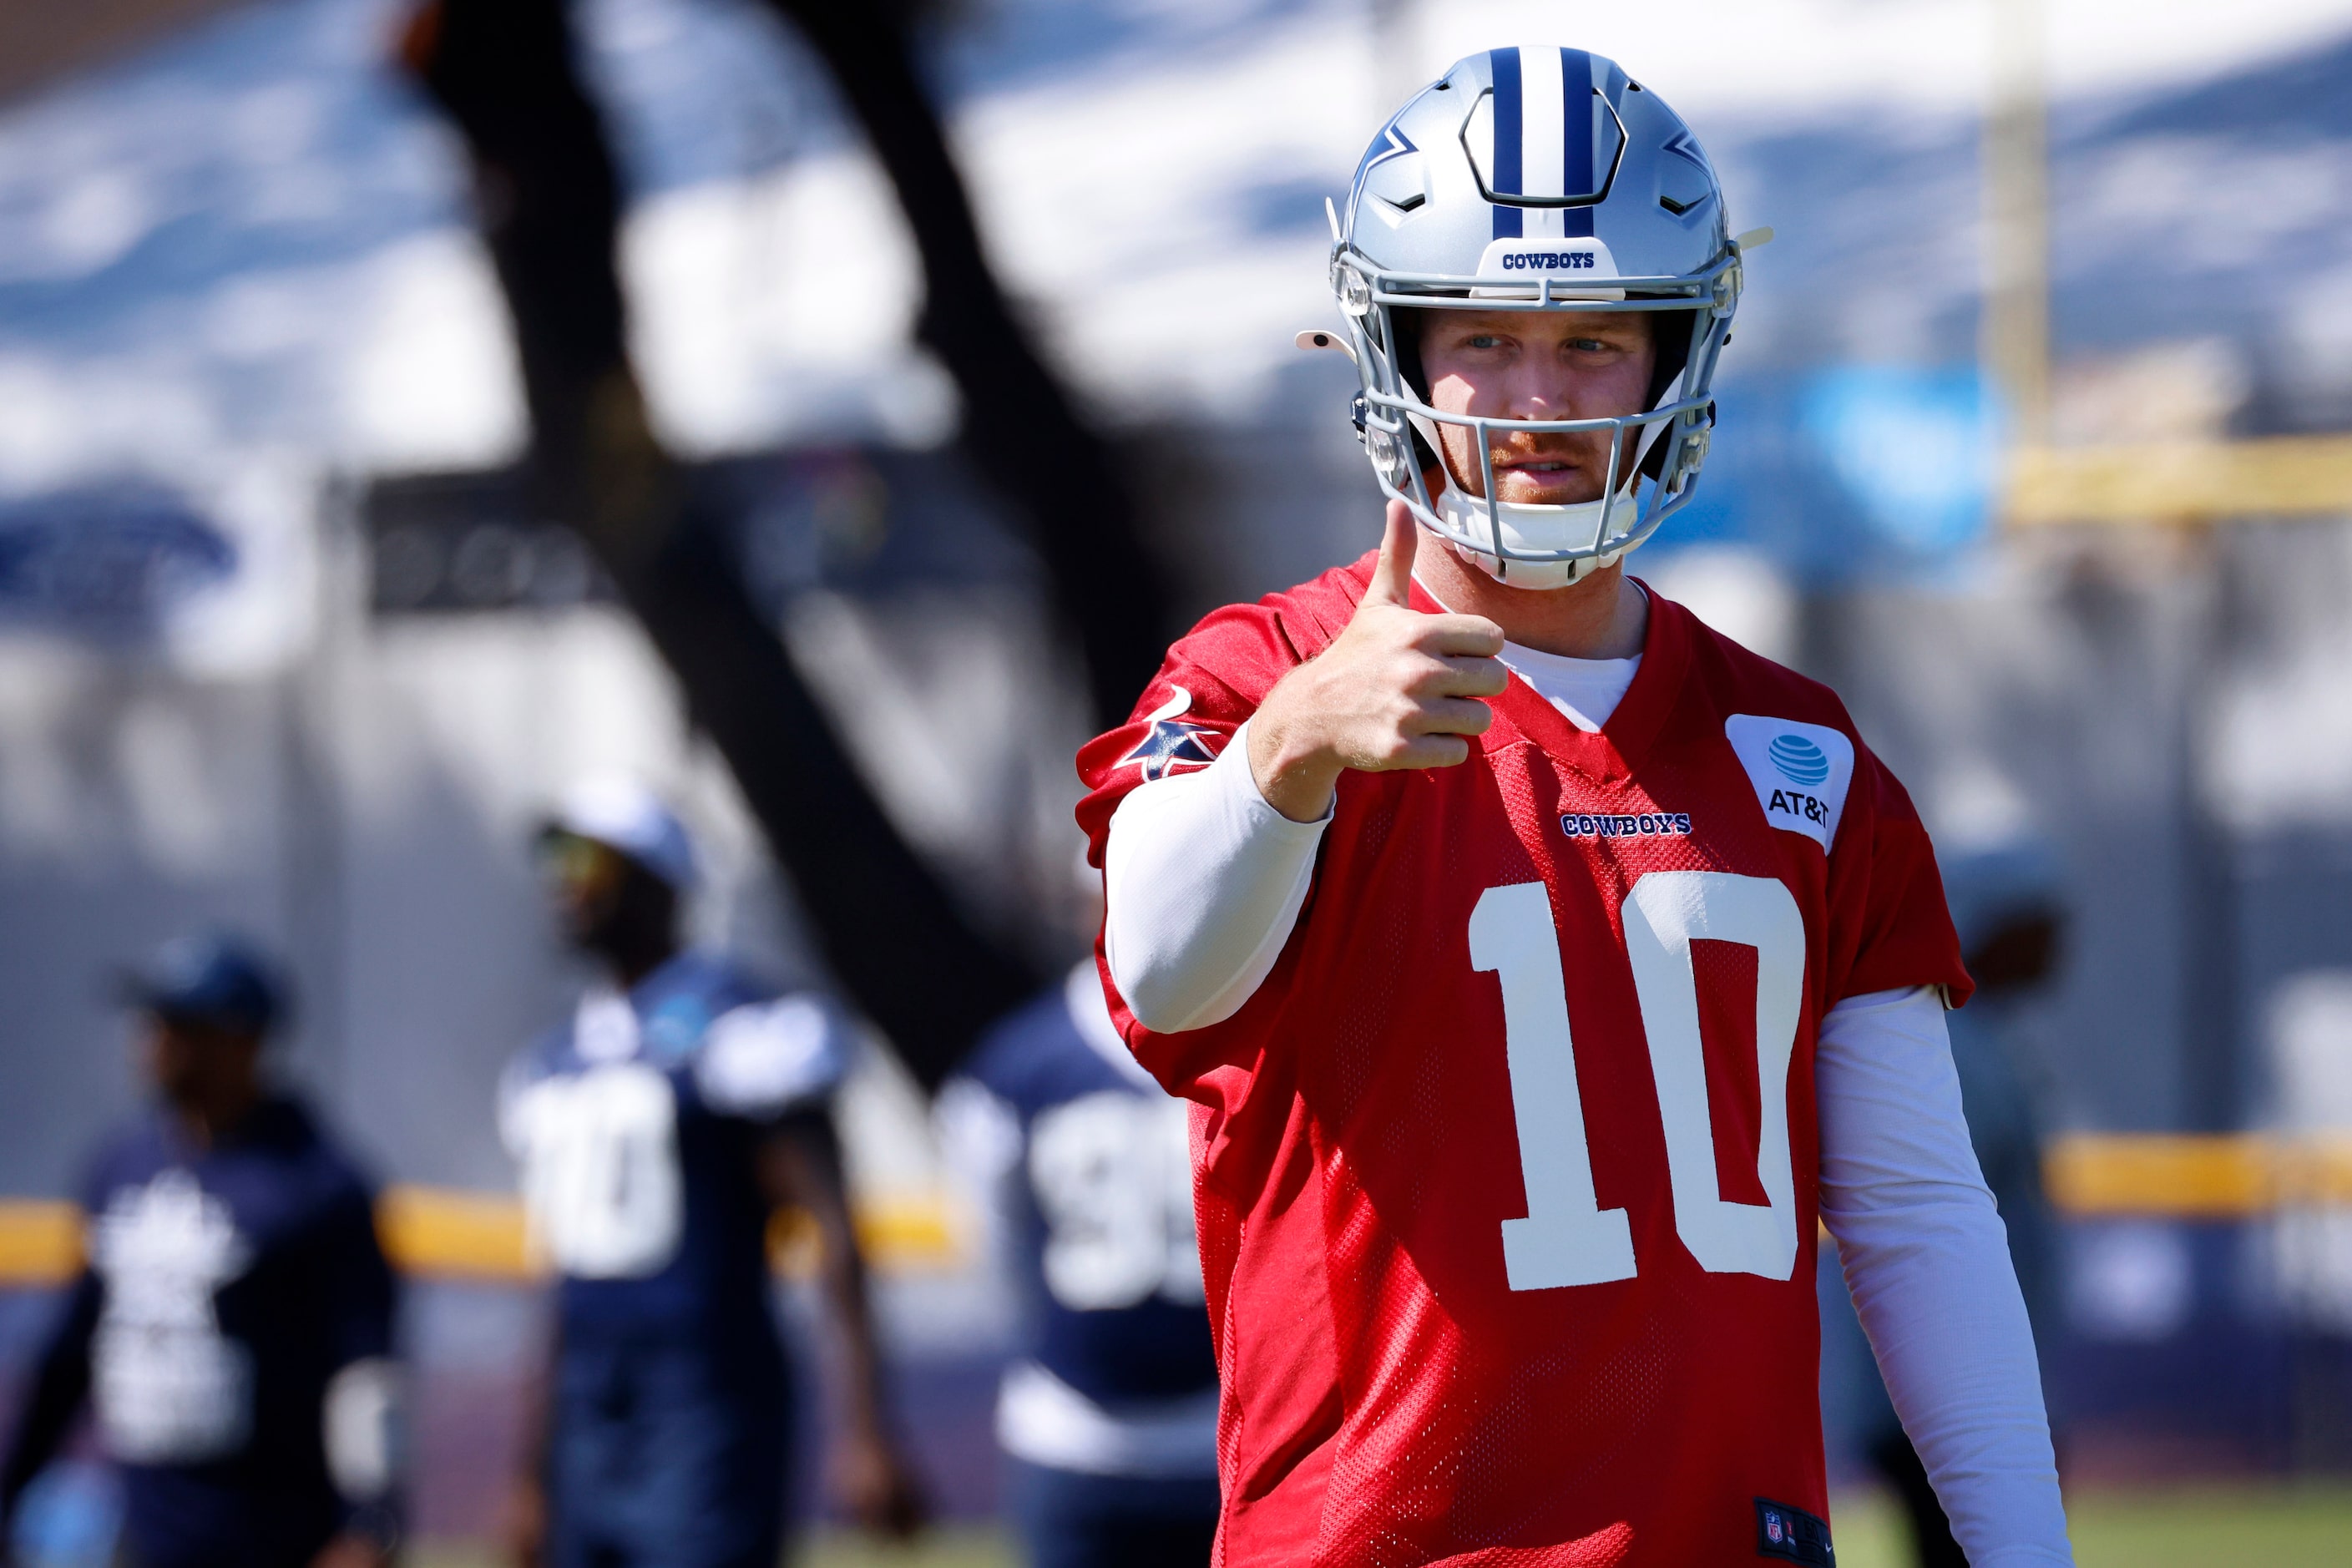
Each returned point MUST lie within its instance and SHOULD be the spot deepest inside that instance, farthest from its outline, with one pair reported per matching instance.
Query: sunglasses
(567, 859)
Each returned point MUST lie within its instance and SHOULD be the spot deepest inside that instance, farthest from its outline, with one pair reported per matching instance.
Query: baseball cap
(210, 979)
(621, 812)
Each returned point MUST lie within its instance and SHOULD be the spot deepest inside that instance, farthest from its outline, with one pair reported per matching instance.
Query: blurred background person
(233, 1327)
(658, 1133)
(1107, 1415)
(2009, 910)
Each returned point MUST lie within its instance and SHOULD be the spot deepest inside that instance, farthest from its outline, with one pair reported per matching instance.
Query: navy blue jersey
(636, 1125)
(225, 1288)
(1093, 1176)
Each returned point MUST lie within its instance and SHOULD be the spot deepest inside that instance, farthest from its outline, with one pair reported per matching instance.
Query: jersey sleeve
(357, 1281)
(1210, 684)
(1893, 928)
(763, 1059)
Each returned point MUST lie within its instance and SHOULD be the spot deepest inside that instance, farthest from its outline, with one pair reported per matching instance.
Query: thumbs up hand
(1396, 689)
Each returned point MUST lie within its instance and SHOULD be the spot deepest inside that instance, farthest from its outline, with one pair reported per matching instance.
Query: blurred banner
(219, 583)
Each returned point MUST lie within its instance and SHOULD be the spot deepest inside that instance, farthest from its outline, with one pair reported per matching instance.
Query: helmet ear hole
(1672, 331)
(1407, 324)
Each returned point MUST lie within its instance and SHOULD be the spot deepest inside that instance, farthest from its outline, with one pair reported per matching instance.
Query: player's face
(1538, 364)
(583, 879)
(188, 1062)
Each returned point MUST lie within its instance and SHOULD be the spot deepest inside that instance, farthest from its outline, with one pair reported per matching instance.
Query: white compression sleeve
(1202, 882)
(1928, 1261)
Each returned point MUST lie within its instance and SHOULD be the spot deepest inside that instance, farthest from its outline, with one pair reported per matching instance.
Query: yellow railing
(2187, 482)
(445, 1234)
(2189, 1176)
(40, 1243)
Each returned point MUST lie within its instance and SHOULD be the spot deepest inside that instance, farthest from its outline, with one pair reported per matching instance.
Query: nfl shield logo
(1773, 1531)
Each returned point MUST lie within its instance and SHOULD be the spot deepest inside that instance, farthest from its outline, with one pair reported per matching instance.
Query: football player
(1542, 963)
(656, 1131)
(1108, 1416)
(233, 1327)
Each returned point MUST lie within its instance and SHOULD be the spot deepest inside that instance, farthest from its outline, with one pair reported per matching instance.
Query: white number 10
(1567, 1237)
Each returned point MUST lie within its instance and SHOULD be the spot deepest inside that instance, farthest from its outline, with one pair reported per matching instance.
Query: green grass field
(2190, 1527)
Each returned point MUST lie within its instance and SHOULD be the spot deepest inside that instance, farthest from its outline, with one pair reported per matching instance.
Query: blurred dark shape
(867, 522)
(550, 201)
(109, 561)
(1019, 427)
(232, 1325)
(2021, 953)
(505, 71)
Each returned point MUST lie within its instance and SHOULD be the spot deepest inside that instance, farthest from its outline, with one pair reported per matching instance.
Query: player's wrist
(1295, 776)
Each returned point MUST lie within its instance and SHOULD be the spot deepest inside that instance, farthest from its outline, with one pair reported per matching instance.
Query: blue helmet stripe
(1577, 174)
(1576, 124)
(1507, 127)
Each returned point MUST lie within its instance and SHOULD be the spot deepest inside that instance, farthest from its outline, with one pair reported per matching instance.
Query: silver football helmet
(1536, 179)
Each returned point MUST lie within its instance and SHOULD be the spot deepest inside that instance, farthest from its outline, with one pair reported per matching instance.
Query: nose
(1539, 393)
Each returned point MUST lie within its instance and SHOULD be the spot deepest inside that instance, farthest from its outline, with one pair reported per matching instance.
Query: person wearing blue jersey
(232, 1328)
(658, 1131)
(1107, 1416)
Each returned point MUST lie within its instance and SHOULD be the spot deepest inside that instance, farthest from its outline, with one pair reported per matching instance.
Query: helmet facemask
(1525, 544)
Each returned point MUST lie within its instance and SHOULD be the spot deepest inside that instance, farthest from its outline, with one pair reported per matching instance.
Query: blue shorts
(1072, 1520)
(666, 1457)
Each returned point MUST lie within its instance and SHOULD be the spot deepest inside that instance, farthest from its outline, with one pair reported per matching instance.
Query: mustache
(1553, 447)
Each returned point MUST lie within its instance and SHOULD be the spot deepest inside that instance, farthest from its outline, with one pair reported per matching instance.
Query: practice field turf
(2303, 1527)
(2193, 1527)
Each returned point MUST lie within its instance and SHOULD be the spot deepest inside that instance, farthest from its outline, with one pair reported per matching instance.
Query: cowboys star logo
(1169, 745)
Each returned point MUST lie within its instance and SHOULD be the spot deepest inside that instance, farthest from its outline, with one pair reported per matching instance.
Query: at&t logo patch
(1801, 772)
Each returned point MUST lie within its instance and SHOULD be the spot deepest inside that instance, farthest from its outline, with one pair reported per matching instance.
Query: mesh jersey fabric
(1388, 1399)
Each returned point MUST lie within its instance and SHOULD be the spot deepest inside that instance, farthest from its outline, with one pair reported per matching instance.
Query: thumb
(1392, 581)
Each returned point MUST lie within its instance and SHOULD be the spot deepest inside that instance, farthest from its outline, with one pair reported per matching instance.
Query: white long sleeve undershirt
(1926, 1258)
(1204, 883)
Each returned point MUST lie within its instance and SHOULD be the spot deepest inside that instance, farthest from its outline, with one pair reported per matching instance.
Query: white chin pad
(1535, 575)
(1543, 531)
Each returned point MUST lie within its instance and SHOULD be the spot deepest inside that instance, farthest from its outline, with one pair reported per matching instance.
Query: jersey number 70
(1567, 1237)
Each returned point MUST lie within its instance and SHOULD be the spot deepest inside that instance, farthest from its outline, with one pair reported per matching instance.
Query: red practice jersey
(1506, 1176)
